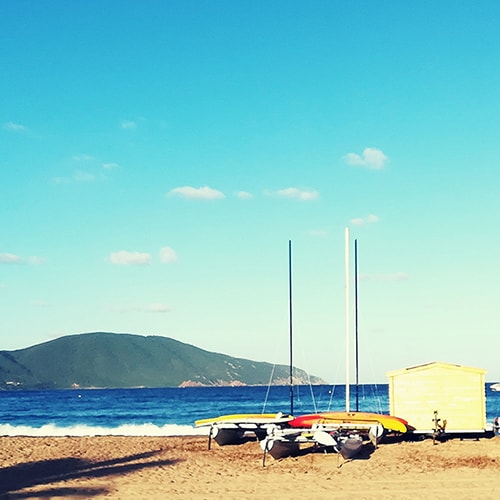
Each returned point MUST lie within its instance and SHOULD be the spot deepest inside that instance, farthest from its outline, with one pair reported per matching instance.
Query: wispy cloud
(370, 158)
(82, 176)
(192, 193)
(76, 176)
(167, 255)
(244, 195)
(399, 276)
(14, 127)
(157, 307)
(110, 165)
(128, 125)
(296, 194)
(82, 157)
(126, 258)
(363, 221)
(87, 168)
(11, 258)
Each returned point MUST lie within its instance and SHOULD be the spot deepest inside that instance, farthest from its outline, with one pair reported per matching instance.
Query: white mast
(347, 326)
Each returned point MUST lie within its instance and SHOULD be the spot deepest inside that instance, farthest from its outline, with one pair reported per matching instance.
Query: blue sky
(157, 156)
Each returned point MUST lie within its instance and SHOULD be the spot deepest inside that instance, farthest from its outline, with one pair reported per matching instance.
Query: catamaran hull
(224, 436)
(233, 429)
(280, 448)
(283, 444)
(351, 447)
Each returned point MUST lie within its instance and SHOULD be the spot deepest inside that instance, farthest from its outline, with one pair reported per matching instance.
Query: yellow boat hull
(245, 418)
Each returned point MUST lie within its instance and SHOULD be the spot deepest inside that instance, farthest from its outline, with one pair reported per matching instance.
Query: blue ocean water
(172, 411)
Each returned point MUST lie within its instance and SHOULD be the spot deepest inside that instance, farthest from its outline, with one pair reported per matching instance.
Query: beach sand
(183, 467)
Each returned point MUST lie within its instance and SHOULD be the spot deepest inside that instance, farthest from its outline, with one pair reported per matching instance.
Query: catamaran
(343, 431)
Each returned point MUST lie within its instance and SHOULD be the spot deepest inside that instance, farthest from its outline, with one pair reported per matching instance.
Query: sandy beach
(183, 467)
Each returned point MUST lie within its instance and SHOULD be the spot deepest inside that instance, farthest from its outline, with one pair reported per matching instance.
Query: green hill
(123, 360)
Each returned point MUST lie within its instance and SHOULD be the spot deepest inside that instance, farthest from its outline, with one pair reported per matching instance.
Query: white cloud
(244, 195)
(362, 221)
(125, 258)
(370, 158)
(191, 193)
(77, 176)
(86, 169)
(128, 124)
(298, 194)
(81, 176)
(157, 307)
(10, 258)
(167, 255)
(110, 165)
(14, 127)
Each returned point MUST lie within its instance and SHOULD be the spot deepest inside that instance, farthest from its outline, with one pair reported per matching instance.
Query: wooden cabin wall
(456, 392)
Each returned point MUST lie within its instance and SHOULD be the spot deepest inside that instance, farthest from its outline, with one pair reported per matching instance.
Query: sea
(173, 411)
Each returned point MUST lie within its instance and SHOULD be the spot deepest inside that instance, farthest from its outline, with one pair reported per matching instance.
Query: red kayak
(389, 422)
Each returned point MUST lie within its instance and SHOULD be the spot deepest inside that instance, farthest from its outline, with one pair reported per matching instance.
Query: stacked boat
(237, 428)
(282, 435)
(343, 432)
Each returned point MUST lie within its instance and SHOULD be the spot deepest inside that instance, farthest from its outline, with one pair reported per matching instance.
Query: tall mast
(290, 321)
(347, 326)
(356, 345)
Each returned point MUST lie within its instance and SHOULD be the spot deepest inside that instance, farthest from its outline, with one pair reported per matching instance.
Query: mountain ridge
(125, 360)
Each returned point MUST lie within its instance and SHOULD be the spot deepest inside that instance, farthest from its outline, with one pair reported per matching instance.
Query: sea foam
(50, 430)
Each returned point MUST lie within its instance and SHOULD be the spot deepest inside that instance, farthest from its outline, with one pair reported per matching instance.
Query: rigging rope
(268, 389)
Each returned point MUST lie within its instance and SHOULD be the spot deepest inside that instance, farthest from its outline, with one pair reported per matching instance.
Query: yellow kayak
(245, 418)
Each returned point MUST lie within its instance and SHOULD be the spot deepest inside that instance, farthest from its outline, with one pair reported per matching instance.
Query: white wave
(86, 430)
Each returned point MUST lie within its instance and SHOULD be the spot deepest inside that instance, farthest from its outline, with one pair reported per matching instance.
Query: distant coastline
(123, 360)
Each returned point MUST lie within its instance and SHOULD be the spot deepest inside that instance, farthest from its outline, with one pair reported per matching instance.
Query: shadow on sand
(46, 472)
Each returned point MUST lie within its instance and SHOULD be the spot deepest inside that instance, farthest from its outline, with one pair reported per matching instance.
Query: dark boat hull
(224, 436)
(281, 448)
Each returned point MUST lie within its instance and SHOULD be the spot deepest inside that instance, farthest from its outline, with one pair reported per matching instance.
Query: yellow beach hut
(455, 392)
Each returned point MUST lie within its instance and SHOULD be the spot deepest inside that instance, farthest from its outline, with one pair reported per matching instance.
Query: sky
(158, 156)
